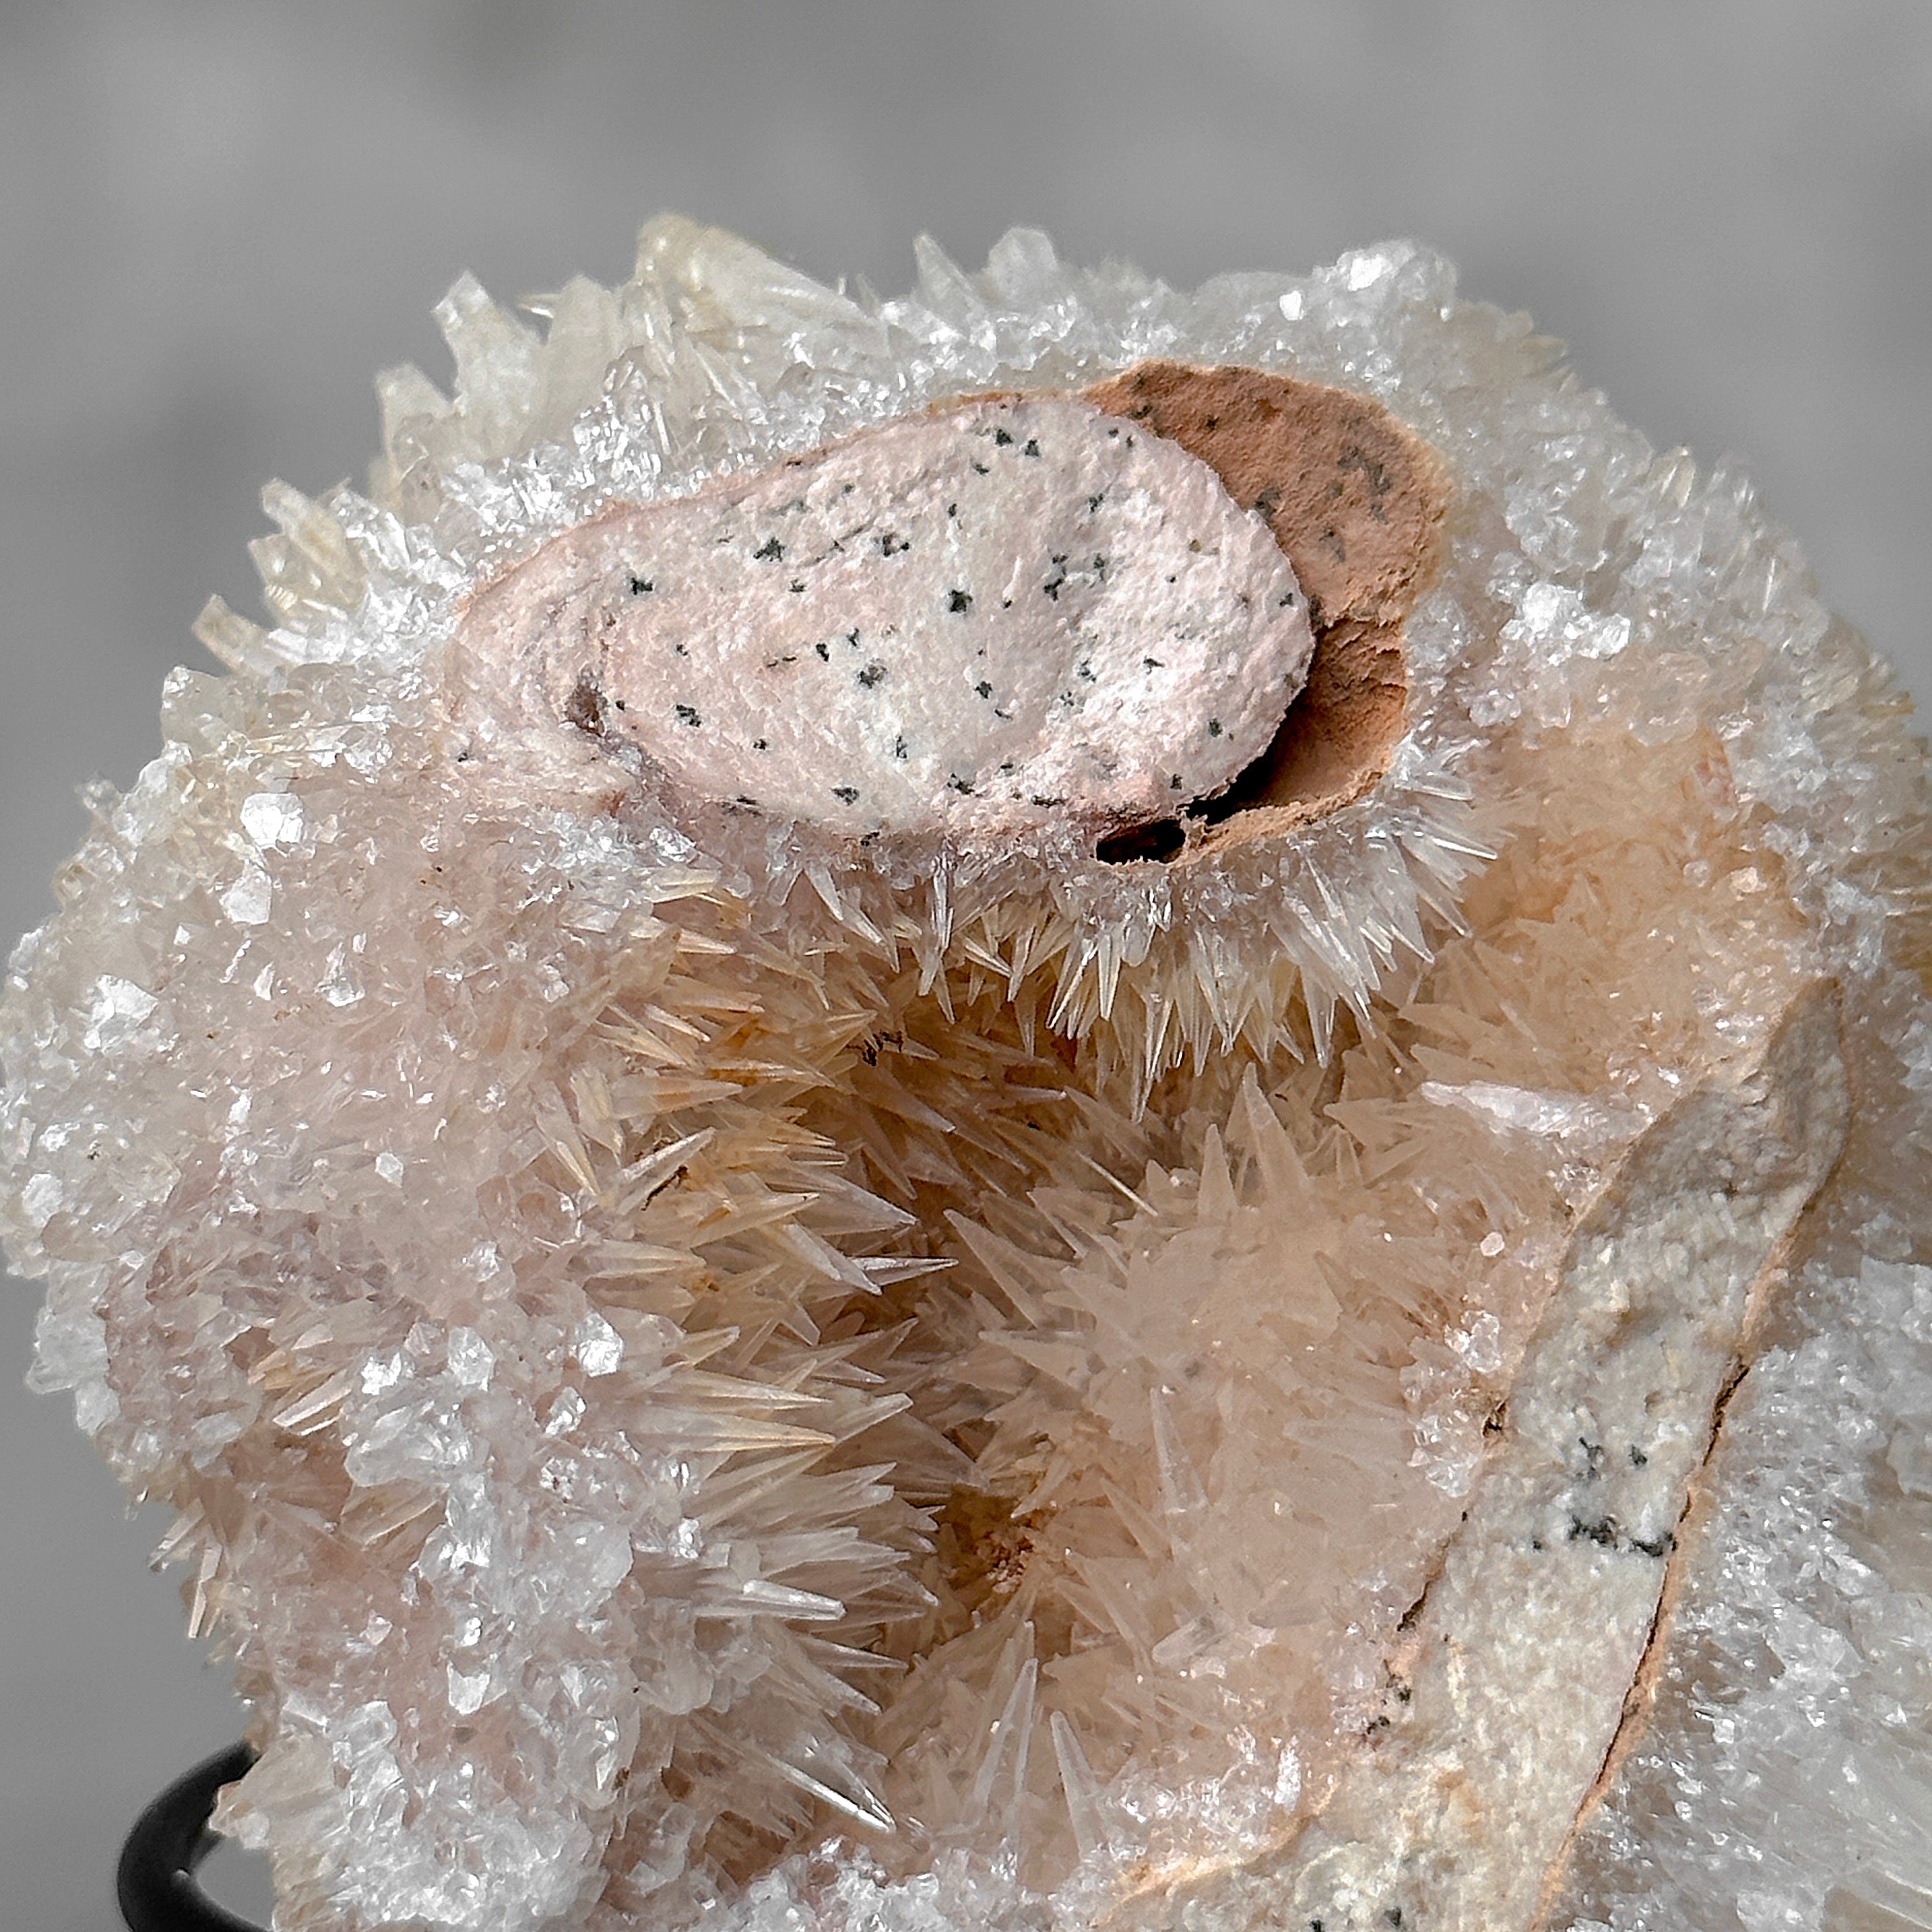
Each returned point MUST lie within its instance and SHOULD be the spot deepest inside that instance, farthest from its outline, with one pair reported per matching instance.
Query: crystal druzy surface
(1053, 1105)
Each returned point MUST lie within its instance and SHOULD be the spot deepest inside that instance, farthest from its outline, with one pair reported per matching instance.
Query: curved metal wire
(154, 1880)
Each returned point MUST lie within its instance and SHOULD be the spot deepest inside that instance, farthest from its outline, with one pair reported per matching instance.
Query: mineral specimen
(1055, 1105)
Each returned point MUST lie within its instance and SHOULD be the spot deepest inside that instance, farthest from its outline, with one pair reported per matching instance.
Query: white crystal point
(1011, 612)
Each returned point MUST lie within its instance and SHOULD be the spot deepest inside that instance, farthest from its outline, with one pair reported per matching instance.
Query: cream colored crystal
(1345, 1339)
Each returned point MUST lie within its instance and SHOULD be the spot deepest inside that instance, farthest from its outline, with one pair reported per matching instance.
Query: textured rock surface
(907, 1362)
(986, 617)
(1532, 1654)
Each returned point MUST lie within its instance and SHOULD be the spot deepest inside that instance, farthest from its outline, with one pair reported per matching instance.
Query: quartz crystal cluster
(1053, 1104)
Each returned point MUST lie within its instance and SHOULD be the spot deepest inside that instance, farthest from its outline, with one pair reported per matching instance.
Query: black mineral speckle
(958, 601)
(824, 651)
(956, 783)
(984, 689)
(872, 674)
(1030, 447)
(870, 1049)
(1002, 437)
(1602, 1533)
(1214, 727)
(770, 551)
(848, 793)
(687, 714)
(641, 586)
(1373, 472)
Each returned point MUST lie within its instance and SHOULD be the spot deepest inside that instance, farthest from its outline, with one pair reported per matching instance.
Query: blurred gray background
(217, 220)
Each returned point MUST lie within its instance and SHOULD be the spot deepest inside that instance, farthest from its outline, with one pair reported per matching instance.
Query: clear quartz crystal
(714, 1372)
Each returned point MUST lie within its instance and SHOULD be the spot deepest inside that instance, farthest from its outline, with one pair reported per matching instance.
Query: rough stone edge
(1359, 503)
(1379, 1863)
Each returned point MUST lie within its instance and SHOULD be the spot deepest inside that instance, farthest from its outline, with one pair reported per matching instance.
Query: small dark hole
(1162, 840)
(1256, 781)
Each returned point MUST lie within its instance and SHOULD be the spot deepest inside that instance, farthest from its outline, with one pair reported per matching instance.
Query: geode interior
(1057, 1104)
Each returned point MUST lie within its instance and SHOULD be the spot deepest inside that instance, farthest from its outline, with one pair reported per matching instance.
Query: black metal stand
(155, 1879)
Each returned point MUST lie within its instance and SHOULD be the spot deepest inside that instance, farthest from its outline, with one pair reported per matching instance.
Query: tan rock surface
(1356, 500)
